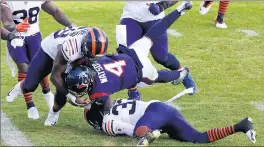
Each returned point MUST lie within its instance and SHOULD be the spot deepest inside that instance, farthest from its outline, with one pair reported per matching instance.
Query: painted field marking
(250, 32)
(10, 135)
(173, 32)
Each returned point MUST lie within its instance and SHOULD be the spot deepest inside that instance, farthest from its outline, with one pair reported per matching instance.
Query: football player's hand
(23, 26)
(154, 9)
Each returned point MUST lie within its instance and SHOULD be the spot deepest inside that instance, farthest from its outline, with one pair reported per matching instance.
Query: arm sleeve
(116, 127)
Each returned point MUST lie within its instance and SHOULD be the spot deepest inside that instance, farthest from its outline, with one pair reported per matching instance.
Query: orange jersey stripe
(69, 48)
(103, 40)
(109, 128)
(93, 42)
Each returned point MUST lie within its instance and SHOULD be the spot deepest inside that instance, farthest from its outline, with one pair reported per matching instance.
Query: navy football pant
(159, 50)
(40, 67)
(159, 115)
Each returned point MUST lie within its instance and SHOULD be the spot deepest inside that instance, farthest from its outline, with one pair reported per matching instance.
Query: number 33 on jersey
(23, 9)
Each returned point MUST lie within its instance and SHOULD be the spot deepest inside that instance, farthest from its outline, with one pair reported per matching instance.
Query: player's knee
(22, 67)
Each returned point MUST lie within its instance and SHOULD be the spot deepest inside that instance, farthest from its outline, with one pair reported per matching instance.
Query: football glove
(15, 40)
(23, 26)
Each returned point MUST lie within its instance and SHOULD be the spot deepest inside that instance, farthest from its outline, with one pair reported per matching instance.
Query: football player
(60, 48)
(130, 67)
(23, 18)
(137, 18)
(147, 120)
(223, 5)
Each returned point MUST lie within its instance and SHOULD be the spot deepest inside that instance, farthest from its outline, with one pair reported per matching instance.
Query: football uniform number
(32, 14)
(116, 67)
(124, 106)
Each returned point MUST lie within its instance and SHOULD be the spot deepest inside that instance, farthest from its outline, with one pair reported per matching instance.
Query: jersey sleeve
(114, 127)
(70, 50)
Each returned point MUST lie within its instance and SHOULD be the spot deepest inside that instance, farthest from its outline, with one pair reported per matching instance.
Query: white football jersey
(138, 10)
(23, 9)
(70, 38)
(126, 112)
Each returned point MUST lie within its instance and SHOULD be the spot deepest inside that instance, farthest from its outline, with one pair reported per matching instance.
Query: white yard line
(173, 32)
(259, 106)
(250, 32)
(10, 135)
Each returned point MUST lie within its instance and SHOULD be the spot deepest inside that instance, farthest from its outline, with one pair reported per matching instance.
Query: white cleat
(49, 97)
(220, 25)
(183, 73)
(205, 7)
(13, 94)
(184, 7)
(33, 113)
(251, 134)
(52, 118)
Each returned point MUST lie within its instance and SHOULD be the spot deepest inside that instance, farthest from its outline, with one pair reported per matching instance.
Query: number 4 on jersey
(116, 67)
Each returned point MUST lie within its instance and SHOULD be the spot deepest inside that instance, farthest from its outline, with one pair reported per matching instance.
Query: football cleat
(13, 94)
(205, 7)
(220, 25)
(134, 94)
(188, 82)
(183, 73)
(49, 97)
(248, 129)
(149, 138)
(52, 118)
(184, 7)
(33, 113)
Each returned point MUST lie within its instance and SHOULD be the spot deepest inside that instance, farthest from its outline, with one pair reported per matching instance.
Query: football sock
(27, 95)
(219, 133)
(162, 25)
(165, 76)
(223, 5)
(45, 85)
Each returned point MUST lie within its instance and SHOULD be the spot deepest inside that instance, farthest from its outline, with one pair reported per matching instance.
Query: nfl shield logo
(25, 2)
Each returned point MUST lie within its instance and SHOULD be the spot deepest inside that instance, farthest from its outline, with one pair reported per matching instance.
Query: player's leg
(53, 116)
(205, 7)
(34, 44)
(219, 22)
(133, 32)
(20, 56)
(180, 129)
(147, 127)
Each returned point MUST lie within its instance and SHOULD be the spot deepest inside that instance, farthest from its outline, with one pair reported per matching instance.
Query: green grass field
(227, 65)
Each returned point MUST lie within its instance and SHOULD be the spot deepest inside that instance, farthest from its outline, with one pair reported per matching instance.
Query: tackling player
(147, 120)
(130, 67)
(137, 18)
(23, 18)
(223, 5)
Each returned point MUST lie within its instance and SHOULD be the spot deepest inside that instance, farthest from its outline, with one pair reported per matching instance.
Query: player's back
(128, 111)
(115, 72)
(69, 37)
(23, 9)
(139, 11)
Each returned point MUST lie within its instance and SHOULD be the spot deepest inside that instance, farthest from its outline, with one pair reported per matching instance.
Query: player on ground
(138, 17)
(69, 43)
(223, 5)
(147, 120)
(23, 18)
(129, 68)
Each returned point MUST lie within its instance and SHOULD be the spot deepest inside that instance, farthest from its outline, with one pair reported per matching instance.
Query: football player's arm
(157, 8)
(57, 14)
(59, 67)
(116, 127)
(6, 18)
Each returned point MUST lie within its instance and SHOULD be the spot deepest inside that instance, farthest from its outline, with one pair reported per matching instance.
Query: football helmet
(94, 116)
(94, 43)
(79, 79)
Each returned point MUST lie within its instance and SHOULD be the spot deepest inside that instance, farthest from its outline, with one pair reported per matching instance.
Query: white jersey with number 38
(23, 9)
(70, 38)
(123, 116)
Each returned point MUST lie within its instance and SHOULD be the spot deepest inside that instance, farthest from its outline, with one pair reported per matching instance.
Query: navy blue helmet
(94, 43)
(79, 79)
